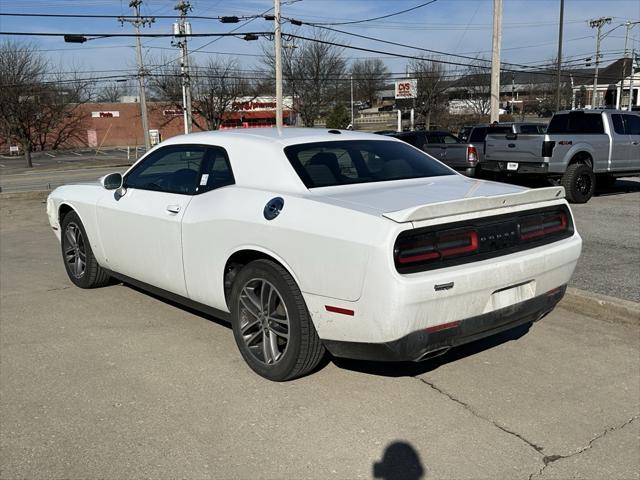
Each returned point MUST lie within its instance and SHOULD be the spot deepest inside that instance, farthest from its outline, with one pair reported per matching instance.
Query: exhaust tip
(433, 353)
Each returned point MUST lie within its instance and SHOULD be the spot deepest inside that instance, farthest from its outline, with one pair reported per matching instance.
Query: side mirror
(112, 181)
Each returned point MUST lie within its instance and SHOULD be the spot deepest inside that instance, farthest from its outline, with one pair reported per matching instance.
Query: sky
(530, 29)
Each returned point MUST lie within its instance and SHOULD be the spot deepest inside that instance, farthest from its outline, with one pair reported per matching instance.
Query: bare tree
(216, 86)
(37, 110)
(369, 77)
(311, 73)
(476, 83)
(432, 85)
(111, 92)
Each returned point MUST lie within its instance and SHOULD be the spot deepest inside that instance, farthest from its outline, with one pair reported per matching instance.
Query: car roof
(271, 135)
(256, 155)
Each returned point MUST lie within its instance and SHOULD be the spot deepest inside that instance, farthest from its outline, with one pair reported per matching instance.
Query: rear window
(479, 134)
(531, 129)
(324, 164)
(576, 122)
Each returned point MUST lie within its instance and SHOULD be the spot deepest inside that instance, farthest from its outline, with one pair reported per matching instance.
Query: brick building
(119, 124)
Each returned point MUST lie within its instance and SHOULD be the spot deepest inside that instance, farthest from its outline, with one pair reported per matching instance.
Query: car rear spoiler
(474, 204)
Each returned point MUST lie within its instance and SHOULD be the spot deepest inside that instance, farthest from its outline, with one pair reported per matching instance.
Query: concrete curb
(28, 195)
(601, 307)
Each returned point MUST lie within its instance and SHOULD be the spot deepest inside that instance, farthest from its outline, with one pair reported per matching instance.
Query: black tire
(74, 245)
(579, 183)
(301, 351)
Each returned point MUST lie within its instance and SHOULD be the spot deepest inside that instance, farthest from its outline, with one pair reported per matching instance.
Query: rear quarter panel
(326, 248)
(568, 146)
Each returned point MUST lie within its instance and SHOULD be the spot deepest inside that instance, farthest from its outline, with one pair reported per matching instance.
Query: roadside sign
(105, 114)
(407, 88)
(14, 149)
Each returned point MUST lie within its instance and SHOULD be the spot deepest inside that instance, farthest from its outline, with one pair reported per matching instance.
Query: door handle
(173, 208)
(636, 143)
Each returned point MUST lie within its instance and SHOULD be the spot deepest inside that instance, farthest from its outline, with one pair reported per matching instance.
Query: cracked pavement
(114, 383)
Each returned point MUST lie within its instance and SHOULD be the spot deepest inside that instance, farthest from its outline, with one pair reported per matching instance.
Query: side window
(433, 138)
(172, 169)
(618, 124)
(632, 124)
(559, 123)
(216, 171)
(589, 123)
(478, 134)
(449, 139)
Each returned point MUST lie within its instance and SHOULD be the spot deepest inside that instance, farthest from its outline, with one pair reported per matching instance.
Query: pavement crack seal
(474, 412)
(547, 459)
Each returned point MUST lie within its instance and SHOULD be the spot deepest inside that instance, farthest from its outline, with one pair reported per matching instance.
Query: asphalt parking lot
(115, 383)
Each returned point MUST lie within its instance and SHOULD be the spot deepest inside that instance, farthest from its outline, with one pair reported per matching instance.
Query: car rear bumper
(430, 342)
(524, 168)
(393, 306)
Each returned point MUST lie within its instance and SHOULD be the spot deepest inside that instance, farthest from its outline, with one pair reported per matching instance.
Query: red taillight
(342, 311)
(459, 243)
(435, 246)
(443, 326)
(539, 226)
(472, 156)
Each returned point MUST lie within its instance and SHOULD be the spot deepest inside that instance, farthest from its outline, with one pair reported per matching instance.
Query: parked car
(581, 148)
(445, 147)
(308, 239)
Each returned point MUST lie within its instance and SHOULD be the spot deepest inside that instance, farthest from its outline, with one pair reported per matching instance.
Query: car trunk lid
(426, 198)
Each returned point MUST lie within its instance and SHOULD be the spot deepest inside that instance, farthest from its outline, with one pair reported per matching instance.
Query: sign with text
(108, 114)
(407, 88)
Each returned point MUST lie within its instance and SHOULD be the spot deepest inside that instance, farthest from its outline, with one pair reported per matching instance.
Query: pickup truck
(443, 146)
(581, 148)
(478, 133)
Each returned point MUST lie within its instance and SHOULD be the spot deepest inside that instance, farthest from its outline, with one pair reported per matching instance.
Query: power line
(97, 16)
(414, 57)
(377, 18)
(150, 35)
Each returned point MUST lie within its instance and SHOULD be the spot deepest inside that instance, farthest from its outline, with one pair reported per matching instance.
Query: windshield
(324, 164)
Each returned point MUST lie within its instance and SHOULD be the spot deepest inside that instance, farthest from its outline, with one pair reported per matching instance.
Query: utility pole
(278, 52)
(352, 126)
(560, 27)
(597, 23)
(495, 60)
(138, 22)
(180, 30)
(629, 26)
(573, 94)
(633, 57)
(513, 89)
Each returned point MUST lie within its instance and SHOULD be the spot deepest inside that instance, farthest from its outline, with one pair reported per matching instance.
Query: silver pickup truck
(581, 148)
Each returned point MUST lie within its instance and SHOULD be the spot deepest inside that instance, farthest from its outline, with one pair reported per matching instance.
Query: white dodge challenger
(309, 240)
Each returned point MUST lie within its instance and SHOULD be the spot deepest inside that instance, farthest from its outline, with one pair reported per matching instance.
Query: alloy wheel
(583, 184)
(75, 254)
(264, 321)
